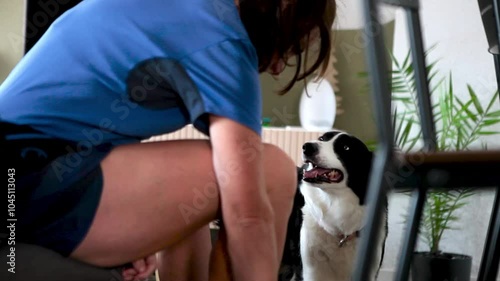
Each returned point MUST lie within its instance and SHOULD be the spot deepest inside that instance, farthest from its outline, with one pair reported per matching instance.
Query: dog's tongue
(316, 172)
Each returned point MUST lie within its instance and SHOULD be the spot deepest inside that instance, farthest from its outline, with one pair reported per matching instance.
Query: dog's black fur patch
(356, 159)
(291, 263)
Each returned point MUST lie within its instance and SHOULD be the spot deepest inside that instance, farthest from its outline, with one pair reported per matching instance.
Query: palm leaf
(475, 100)
(494, 99)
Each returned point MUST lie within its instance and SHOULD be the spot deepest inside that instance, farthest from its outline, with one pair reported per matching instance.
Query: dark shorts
(58, 186)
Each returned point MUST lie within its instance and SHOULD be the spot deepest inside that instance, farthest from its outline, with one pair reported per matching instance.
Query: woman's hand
(141, 269)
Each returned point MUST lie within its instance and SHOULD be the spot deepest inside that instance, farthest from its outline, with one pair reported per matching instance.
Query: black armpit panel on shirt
(162, 83)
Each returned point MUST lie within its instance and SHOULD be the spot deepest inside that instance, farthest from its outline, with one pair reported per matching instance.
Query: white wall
(456, 27)
(11, 30)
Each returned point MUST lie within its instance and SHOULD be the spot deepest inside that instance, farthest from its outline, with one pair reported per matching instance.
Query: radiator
(288, 139)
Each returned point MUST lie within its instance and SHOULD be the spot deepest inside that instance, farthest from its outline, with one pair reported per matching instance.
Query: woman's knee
(280, 171)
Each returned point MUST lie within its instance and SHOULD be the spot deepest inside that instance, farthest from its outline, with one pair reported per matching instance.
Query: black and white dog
(329, 210)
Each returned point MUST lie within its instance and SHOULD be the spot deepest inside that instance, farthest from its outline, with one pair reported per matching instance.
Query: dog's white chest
(337, 212)
(327, 216)
(322, 257)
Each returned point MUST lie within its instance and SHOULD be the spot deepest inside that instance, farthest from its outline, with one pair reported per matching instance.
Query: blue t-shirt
(119, 71)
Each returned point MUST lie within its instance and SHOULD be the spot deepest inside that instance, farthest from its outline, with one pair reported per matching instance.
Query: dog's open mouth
(316, 174)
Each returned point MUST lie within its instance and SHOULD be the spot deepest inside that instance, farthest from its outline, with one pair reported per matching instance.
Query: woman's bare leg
(157, 194)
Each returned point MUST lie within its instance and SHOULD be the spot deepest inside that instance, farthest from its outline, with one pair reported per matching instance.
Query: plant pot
(440, 267)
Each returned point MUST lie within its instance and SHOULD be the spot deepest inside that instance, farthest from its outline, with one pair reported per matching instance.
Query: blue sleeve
(227, 78)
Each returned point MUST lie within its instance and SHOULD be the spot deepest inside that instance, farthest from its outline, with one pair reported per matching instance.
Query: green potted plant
(460, 123)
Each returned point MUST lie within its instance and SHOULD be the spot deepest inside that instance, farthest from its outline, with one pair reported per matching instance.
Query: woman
(110, 73)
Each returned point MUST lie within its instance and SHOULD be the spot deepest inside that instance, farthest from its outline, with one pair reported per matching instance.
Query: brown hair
(280, 28)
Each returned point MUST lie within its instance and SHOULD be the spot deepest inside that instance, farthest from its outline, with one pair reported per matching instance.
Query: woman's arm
(247, 214)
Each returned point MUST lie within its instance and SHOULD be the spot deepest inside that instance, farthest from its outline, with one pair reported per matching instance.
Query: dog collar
(345, 238)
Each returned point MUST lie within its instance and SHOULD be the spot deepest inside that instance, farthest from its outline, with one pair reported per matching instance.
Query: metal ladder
(477, 169)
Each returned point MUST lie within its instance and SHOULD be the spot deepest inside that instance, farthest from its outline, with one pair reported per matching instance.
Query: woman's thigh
(156, 194)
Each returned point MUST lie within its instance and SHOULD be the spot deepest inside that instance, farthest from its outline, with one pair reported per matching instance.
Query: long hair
(279, 29)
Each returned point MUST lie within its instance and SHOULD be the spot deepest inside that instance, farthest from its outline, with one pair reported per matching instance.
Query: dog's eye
(346, 147)
(321, 139)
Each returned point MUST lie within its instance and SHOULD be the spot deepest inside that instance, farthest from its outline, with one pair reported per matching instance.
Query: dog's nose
(310, 149)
